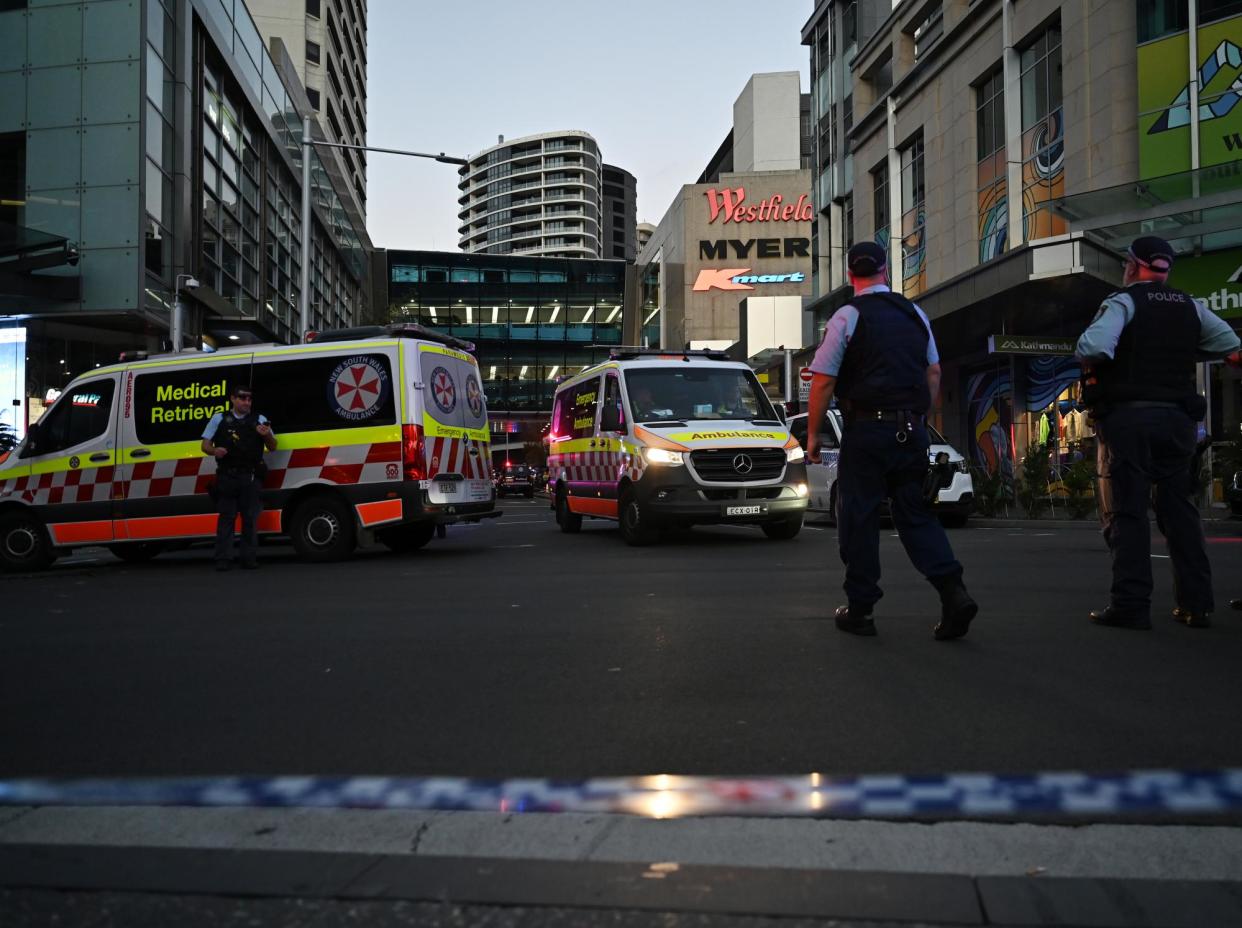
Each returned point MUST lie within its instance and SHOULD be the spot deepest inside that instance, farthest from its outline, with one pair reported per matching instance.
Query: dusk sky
(654, 82)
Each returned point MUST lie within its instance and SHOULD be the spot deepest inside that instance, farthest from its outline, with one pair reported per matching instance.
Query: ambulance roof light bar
(396, 330)
(626, 352)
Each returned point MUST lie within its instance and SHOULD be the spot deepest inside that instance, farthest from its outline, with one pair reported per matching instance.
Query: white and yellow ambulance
(664, 440)
(380, 430)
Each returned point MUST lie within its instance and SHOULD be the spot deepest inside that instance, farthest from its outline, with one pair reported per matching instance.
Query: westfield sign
(730, 202)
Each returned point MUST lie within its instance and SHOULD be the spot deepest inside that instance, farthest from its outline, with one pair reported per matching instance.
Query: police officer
(879, 357)
(236, 440)
(1140, 354)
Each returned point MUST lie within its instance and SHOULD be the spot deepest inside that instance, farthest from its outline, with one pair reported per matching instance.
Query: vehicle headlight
(664, 456)
(795, 455)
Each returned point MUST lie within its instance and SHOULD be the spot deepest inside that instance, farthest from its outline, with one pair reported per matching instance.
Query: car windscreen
(696, 392)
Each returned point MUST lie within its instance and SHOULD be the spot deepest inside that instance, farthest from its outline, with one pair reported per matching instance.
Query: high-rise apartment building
(540, 195)
(618, 223)
(327, 42)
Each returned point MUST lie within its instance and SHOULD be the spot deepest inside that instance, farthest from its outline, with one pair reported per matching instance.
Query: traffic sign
(805, 375)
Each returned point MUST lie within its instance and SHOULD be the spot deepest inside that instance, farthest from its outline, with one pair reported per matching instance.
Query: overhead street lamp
(177, 327)
(307, 142)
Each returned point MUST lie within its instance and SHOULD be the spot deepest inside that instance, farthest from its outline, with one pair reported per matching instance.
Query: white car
(953, 503)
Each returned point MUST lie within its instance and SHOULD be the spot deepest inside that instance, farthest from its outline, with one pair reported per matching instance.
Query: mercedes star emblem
(743, 464)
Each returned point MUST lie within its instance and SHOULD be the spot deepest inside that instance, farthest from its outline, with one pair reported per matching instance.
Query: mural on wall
(993, 207)
(1047, 378)
(914, 252)
(989, 406)
(1164, 99)
(1043, 176)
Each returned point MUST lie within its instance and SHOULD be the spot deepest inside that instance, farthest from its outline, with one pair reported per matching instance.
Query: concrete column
(1012, 78)
(894, 200)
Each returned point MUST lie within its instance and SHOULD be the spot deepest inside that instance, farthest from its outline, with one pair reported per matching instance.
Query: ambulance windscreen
(695, 393)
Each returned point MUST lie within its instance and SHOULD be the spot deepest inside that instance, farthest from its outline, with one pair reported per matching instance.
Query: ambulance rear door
(70, 463)
(162, 472)
(454, 424)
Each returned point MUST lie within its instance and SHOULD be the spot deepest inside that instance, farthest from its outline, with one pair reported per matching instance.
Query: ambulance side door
(608, 444)
(478, 466)
(72, 458)
(164, 475)
(576, 440)
(442, 385)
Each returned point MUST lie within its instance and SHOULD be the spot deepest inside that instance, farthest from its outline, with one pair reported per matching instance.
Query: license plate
(756, 509)
(447, 487)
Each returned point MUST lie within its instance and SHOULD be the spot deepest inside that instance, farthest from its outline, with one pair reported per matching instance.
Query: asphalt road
(511, 650)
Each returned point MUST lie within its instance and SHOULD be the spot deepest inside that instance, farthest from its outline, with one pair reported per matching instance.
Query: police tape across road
(974, 795)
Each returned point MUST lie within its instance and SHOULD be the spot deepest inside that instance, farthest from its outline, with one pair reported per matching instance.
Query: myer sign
(1030, 344)
(1215, 278)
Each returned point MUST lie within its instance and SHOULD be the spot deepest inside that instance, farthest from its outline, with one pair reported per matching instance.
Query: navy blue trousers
(1141, 447)
(875, 465)
(237, 494)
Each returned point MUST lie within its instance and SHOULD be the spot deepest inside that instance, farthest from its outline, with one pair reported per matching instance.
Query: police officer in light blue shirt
(879, 357)
(1140, 354)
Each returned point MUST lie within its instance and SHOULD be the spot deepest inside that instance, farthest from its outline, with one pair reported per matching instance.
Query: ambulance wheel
(136, 552)
(784, 529)
(24, 544)
(402, 539)
(635, 529)
(570, 522)
(323, 529)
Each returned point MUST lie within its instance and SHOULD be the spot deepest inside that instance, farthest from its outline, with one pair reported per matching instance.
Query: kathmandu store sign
(730, 203)
(740, 278)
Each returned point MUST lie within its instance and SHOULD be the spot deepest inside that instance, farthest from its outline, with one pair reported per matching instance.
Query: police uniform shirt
(840, 330)
(214, 425)
(1216, 338)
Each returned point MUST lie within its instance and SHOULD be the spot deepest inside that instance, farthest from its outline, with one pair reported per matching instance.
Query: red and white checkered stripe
(77, 485)
(453, 456)
(599, 466)
(341, 464)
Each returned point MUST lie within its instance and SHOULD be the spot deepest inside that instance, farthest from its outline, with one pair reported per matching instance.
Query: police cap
(1152, 251)
(866, 259)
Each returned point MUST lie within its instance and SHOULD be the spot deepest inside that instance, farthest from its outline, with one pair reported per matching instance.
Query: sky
(654, 82)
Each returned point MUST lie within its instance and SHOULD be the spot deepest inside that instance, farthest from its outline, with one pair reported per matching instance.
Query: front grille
(719, 465)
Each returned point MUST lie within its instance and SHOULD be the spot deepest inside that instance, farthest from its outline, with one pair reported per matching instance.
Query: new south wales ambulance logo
(443, 390)
(474, 396)
(358, 388)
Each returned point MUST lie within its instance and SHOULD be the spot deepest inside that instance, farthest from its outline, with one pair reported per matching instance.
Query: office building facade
(326, 41)
(143, 144)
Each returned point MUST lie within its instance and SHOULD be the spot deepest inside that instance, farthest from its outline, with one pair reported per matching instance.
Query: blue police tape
(957, 795)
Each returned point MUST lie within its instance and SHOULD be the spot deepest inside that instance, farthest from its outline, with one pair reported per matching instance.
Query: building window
(928, 30)
(879, 201)
(1211, 11)
(1043, 135)
(993, 201)
(313, 96)
(312, 52)
(312, 8)
(1158, 18)
(913, 219)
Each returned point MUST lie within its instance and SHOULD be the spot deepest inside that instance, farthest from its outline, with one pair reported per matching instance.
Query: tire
(570, 522)
(323, 529)
(402, 539)
(783, 530)
(136, 552)
(24, 544)
(634, 528)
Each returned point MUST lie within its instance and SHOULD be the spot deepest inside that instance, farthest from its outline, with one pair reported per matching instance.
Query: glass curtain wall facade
(533, 320)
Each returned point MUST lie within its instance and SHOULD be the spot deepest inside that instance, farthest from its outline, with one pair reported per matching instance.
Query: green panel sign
(1164, 99)
(1215, 277)
(1031, 344)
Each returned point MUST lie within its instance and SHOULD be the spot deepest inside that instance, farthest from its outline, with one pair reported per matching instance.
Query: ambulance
(658, 440)
(381, 433)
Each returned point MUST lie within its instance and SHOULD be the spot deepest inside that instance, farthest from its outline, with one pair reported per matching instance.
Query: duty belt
(891, 416)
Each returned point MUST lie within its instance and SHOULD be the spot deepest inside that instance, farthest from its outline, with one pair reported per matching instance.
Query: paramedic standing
(880, 359)
(1140, 354)
(236, 439)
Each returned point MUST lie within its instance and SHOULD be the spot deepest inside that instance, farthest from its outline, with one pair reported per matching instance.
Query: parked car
(1233, 494)
(953, 504)
(515, 478)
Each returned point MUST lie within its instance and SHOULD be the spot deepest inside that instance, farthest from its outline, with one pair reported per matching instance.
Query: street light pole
(307, 143)
(176, 327)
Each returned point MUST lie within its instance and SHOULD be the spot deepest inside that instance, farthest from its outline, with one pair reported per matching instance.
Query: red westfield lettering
(721, 279)
(730, 202)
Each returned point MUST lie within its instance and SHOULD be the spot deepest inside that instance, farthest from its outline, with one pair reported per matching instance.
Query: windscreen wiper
(765, 421)
(662, 422)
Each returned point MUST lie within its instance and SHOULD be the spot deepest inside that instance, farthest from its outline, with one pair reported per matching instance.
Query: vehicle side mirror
(610, 419)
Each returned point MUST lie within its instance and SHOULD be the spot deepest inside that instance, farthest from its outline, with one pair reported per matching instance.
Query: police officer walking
(879, 357)
(236, 439)
(1140, 354)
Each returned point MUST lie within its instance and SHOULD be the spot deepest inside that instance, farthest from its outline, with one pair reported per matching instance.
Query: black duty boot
(1115, 618)
(856, 620)
(957, 609)
(1192, 619)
